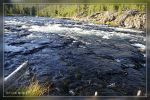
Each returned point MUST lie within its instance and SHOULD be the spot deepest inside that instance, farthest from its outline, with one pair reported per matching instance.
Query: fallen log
(15, 75)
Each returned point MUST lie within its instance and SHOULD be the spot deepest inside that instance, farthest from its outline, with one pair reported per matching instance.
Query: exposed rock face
(135, 19)
(104, 17)
(128, 19)
(129, 22)
(140, 21)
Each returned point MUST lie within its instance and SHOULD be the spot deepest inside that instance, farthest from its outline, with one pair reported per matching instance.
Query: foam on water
(13, 22)
(141, 46)
(55, 28)
(126, 30)
(9, 48)
(24, 26)
(47, 28)
(33, 36)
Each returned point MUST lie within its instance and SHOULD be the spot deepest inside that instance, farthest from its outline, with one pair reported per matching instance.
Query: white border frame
(146, 95)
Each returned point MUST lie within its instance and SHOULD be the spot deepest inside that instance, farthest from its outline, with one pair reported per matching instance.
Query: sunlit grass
(34, 89)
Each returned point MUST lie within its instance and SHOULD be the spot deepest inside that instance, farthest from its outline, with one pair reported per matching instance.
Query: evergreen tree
(33, 11)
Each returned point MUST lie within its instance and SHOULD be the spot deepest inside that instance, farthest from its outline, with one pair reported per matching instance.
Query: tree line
(68, 10)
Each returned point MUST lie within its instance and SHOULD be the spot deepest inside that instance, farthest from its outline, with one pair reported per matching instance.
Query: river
(77, 58)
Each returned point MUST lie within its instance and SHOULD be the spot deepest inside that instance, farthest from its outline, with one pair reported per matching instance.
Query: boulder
(129, 22)
(140, 21)
(121, 19)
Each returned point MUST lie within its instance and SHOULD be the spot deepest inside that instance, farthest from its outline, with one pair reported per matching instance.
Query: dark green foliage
(116, 7)
(34, 11)
(104, 8)
(85, 9)
(26, 11)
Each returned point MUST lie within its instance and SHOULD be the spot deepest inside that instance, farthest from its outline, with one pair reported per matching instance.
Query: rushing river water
(76, 58)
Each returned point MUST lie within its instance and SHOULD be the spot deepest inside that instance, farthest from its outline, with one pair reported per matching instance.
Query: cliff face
(127, 19)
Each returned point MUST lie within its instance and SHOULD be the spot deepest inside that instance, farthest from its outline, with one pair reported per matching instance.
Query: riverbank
(119, 15)
(126, 19)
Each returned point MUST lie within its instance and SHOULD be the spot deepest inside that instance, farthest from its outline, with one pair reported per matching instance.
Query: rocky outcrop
(127, 19)
(104, 17)
(132, 19)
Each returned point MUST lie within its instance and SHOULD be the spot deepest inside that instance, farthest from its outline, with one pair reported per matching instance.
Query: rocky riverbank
(127, 19)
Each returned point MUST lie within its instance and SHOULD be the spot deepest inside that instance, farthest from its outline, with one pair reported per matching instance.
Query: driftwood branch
(15, 75)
